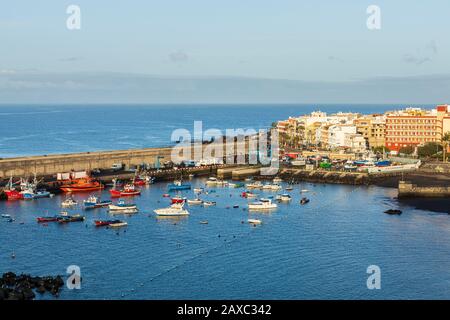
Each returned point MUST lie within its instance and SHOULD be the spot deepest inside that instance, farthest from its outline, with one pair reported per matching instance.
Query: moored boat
(93, 202)
(74, 218)
(121, 206)
(174, 210)
(254, 221)
(209, 203)
(104, 223)
(82, 185)
(212, 181)
(47, 219)
(178, 199)
(118, 224)
(69, 202)
(284, 197)
(179, 185)
(128, 191)
(196, 201)
(248, 194)
(11, 192)
(254, 185)
(262, 204)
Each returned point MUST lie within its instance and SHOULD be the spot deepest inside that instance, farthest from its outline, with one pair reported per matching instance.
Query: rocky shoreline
(25, 286)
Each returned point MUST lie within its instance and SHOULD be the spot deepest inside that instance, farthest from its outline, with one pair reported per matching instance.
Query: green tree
(407, 150)
(380, 149)
(429, 149)
(445, 143)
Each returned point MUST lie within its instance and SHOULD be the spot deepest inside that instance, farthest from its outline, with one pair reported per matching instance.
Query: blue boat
(29, 194)
(93, 202)
(179, 185)
(383, 163)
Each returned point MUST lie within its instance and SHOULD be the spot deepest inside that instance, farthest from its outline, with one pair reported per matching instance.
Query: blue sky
(302, 41)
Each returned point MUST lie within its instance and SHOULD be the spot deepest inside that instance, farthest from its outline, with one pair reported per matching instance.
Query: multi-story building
(415, 126)
(372, 128)
(346, 136)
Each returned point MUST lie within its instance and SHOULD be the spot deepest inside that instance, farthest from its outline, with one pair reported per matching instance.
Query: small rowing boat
(104, 223)
(254, 221)
(118, 224)
(74, 218)
(195, 201)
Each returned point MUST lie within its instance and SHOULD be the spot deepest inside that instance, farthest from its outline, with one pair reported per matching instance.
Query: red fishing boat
(128, 191)
(178, 199)
(137, 181)
(82, 185)
(47, 219)
(11, 192)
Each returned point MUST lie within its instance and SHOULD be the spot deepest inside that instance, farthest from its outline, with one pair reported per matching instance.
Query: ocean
(43, 129)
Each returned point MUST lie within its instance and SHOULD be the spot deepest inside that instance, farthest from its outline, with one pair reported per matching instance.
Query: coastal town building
(373, 129)
(415, 126)
(358, 133)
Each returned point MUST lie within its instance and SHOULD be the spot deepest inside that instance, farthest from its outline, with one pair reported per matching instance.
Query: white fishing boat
(304, 190)
(198, 190)
(277, 180)
(69, 202)
(284, 197)
(209, 203)
(221, 183)
(262, 204)
(118, 224)
(172, 211)
(195, 201)
(267, 187)
(254, 221)
(254, 185)
(275, 187)
(123, 207)
(212, 181)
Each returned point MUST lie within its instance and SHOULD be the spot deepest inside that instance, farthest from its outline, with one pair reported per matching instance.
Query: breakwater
(334, 177)
(407, 189)
(48, 165)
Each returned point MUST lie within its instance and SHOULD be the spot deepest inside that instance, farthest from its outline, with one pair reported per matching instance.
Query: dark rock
(28, 294)
(41, 289)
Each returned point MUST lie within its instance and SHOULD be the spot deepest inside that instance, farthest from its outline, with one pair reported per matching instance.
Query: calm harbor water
(319, 250)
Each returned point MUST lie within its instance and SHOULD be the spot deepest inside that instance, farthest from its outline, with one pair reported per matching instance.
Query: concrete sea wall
(52, 164)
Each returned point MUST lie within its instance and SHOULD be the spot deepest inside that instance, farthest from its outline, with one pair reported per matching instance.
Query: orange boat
(81, 185)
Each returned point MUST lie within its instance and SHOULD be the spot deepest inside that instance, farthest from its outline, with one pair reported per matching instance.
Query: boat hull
(81, 189)
(13, 195)
(118, 193)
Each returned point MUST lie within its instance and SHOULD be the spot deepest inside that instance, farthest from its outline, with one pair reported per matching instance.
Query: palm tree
(445, 143)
